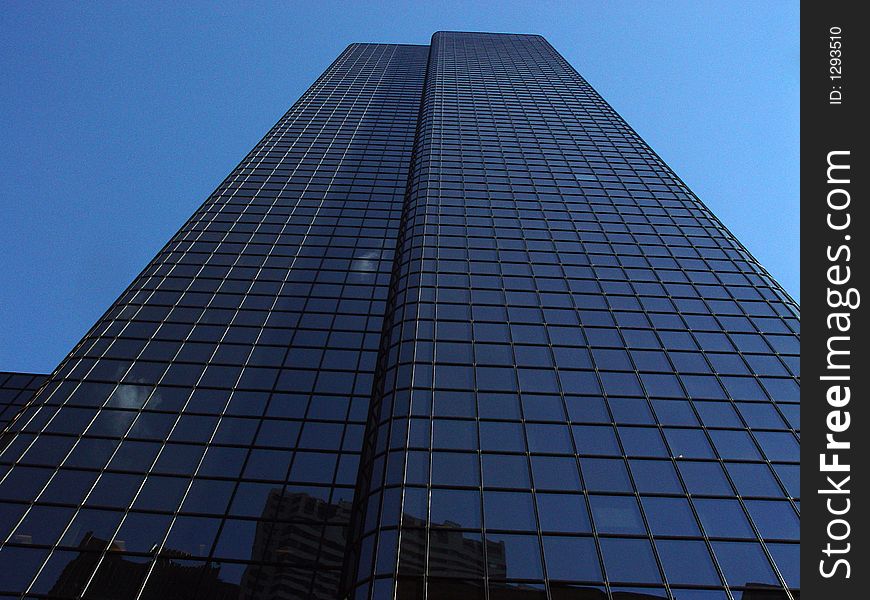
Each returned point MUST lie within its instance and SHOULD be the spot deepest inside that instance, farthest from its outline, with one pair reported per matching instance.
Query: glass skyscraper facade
(450, 330)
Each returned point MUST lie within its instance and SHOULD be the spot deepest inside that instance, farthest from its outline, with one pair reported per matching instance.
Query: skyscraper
(450, 330)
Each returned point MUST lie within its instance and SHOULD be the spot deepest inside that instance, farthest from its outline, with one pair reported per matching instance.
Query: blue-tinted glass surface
(623, 344)
(222, 399)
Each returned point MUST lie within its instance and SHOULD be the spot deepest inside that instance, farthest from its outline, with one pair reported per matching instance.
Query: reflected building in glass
(450, 330)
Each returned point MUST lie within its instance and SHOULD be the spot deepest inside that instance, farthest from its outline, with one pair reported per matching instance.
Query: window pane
(704, 478)
(509, 510)
(605, 474)
(670, 516)
(655, 476)
(549, 438)
(596, 439)
(506, 470)
(743, 563)
(455, 468)
(753, 479)
(616, 514)
(687, 562)
(723, 518)
(774, 520)
(514, 556)
(571, 558)
(563, 513)
(629, 561)
(456, 508)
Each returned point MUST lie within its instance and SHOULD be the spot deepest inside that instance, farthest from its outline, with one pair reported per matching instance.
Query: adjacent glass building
(450, 330)
(15, 390)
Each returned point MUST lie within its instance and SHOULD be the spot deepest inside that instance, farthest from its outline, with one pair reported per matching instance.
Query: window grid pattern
(16, 389)
(202, 440)
(588, 387)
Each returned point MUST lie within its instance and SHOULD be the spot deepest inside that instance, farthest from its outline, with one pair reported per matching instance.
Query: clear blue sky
(118, 119)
